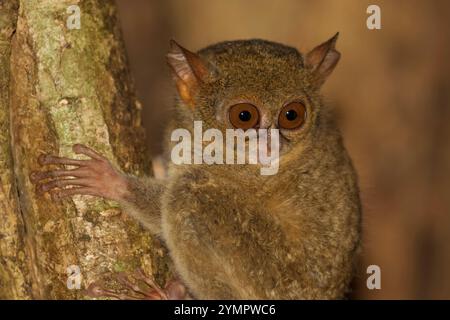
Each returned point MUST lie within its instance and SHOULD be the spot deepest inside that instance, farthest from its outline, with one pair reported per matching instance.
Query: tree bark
(70, 86)
(14, 275)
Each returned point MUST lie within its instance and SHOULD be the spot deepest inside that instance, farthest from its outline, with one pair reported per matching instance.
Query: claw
(82, 149)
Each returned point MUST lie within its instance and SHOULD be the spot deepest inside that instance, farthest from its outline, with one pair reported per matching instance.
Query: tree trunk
(14, 276)
(69, 86)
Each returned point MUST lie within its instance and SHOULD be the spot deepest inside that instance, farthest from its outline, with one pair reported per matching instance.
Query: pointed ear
(188, 69)
(322, 60)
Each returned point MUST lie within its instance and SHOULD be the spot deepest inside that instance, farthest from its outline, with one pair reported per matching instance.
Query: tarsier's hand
(96, 176)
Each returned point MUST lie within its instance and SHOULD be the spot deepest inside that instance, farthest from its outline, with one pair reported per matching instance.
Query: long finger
(61, 183)
(152, 284)
(60, 194)
(42, 175)
(81, 148)
(49, 159)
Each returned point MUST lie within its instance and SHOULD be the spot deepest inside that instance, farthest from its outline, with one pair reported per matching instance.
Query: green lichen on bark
(73, 86)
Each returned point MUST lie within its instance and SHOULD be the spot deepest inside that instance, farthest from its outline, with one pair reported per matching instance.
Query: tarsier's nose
(267, 123)
(268, 135)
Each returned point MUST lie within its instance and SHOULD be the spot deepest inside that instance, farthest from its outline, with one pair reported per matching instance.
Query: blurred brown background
(391, 90)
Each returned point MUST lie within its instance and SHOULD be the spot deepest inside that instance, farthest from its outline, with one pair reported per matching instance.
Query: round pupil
(291, 115)
(245, 115)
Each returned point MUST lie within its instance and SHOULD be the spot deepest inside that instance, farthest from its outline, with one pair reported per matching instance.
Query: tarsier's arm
(142, 201)
(97, 177)
(140, 197)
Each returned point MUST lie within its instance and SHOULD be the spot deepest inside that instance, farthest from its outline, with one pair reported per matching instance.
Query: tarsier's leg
(174, 289)
(97, 177)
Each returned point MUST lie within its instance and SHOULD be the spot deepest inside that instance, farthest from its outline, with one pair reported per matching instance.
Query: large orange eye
(292, 115)
(244, 116)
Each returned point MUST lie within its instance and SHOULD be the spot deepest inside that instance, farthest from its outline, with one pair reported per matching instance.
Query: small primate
(231, 232)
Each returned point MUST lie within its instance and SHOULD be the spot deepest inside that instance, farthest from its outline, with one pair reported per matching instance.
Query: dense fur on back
(233, 233)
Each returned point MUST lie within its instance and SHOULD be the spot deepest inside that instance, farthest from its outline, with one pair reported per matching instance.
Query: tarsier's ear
(189, 71)
(322, 60)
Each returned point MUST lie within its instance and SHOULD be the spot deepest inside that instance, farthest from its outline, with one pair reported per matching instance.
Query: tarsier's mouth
(282, 141)
(235, 146)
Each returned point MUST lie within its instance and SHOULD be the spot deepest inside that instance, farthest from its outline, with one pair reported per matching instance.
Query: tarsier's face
(258, 85)
(254, 84)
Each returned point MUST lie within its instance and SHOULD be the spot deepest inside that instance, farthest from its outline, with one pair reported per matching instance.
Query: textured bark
(14, 279)
(71, 86)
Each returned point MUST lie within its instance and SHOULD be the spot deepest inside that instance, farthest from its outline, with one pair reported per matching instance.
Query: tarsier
(231, 232)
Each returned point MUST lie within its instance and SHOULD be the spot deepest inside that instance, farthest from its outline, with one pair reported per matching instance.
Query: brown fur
(233, 233)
